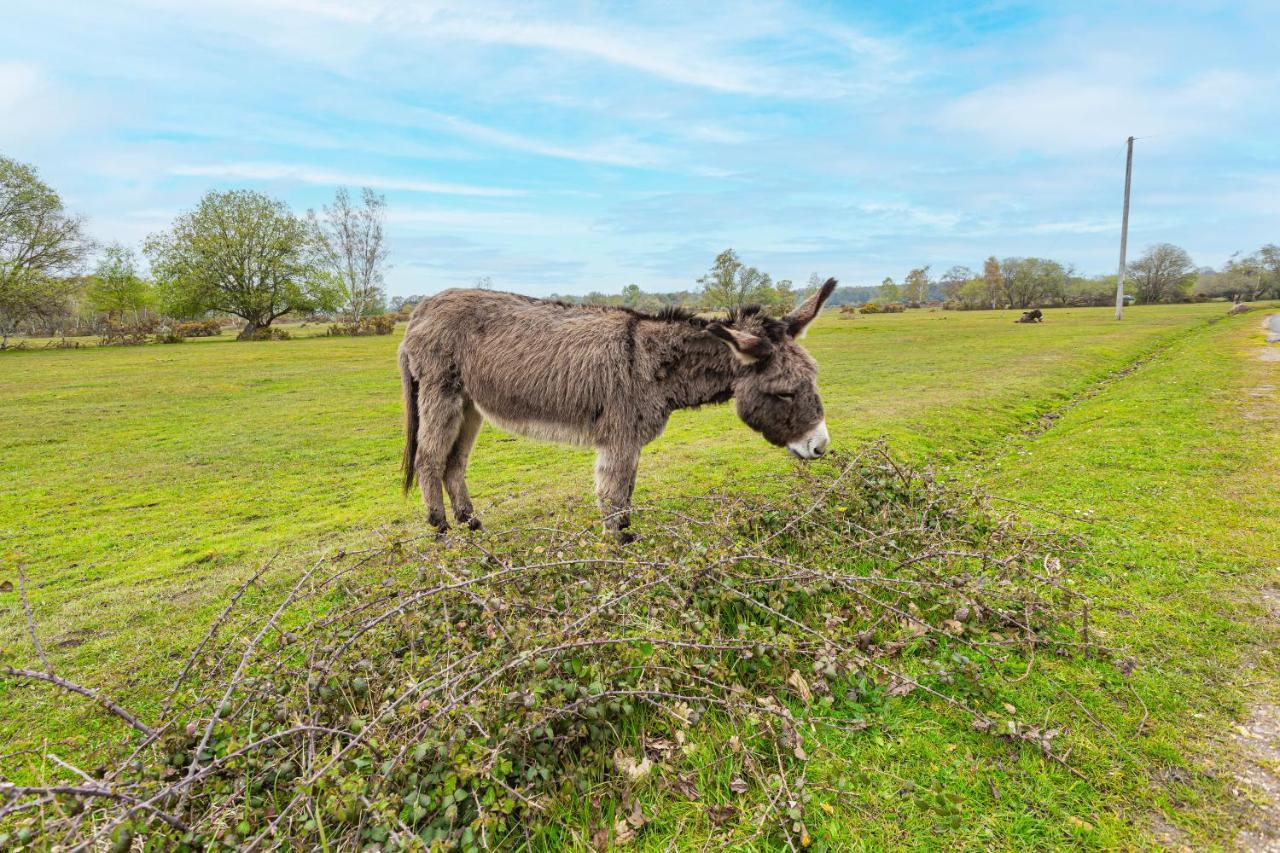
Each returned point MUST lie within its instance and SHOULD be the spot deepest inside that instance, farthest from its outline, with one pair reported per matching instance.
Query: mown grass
(144, 481)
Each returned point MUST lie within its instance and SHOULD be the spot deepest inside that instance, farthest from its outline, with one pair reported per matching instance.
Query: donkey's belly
(541, 430)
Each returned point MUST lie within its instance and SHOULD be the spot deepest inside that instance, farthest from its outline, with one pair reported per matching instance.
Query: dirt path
(1258, 781)
(1258, 787)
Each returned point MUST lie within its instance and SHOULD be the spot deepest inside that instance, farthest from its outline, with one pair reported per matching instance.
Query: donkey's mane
(666, 314)
(773, 328)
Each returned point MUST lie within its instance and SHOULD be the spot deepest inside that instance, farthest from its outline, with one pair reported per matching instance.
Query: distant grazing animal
(1035, 315)
(608, 378)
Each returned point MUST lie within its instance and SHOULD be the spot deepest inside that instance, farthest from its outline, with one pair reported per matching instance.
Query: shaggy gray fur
(608, 378)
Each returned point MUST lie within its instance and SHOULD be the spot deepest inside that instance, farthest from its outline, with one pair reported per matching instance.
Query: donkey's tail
(410, 386)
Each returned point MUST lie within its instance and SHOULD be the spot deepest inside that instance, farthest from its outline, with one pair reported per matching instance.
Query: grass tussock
(468, 692)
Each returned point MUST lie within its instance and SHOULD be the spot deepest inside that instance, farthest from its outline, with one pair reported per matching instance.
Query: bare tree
(1163, 273)
(41, 247)
(349, 242)
(953, 280)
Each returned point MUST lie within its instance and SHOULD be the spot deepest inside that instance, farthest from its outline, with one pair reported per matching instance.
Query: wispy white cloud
(615, 152)
(326, 177)
(1097, 106)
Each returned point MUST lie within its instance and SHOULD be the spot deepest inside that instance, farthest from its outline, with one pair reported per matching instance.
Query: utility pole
(1124, 232)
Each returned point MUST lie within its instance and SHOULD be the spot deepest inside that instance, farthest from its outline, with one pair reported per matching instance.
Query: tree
(889, 290)
(243, 253)
(784, 298)
(915, 287)
(731, 285)
(1164, 273)
(993, 281)
(349, 244)
(1027, 282)
(632, 296)
(1267, 261)
(953, 280)
(41, 248)
(484, 282)
(116, 287)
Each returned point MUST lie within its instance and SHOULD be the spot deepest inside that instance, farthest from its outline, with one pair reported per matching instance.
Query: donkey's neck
(695, 370)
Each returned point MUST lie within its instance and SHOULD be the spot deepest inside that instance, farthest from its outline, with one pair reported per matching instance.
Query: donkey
(607, 378)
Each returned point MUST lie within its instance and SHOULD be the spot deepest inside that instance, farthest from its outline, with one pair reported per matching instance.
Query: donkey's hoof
(470, 520)
(441, 526)
(625, 537)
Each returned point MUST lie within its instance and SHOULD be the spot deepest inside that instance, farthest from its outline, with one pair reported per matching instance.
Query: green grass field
(141, 485)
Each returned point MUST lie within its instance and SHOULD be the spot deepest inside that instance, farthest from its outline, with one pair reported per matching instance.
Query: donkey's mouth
(812, 445)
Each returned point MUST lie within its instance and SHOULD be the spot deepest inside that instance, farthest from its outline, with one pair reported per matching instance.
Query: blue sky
(578, 146)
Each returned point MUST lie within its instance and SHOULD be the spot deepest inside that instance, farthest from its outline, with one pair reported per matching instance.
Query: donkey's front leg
(615, 479)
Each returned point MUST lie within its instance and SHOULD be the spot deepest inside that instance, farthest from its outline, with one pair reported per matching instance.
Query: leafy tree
(993, 281)
(41, 247)
(1267, 261)
(632, 296)
(784, 296)
(1164, 273)
(974, 294)
(730, 284)
(117, 288)
(243, 253)
(484, 282)
(915, 287)
(1028, 282)
(889, 290)
(349, 243)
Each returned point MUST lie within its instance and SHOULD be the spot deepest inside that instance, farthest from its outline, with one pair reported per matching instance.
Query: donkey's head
(777, 387)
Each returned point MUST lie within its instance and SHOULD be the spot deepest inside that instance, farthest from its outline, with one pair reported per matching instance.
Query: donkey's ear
(747, 347)
(798, 320)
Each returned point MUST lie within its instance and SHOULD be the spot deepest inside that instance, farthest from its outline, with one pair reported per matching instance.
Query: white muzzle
(812, 445)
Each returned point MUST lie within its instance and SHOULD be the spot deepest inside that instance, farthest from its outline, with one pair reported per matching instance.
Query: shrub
(131, 335)
(169, 336)
(455, 693)
(63, 343)
(199, 328)
(869, 308)
(379, 324)
(271, 333)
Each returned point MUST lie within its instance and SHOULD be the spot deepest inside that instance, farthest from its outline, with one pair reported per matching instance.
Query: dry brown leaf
(899, 686)
(738, 785)
(721, 814)
(636, 818)
(797, 682)
(6, 586)
(629, 767)
(686, 786)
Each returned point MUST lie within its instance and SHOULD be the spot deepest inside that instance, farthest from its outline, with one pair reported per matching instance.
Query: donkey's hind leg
(455, 467)
(439, 420)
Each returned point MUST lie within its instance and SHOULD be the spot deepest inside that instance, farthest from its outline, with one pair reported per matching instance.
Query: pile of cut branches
(459, 693)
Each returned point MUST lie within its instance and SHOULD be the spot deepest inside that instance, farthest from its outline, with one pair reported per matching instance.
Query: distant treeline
(245, 255)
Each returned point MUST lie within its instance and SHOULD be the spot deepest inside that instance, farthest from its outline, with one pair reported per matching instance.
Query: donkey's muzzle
(812, 445)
